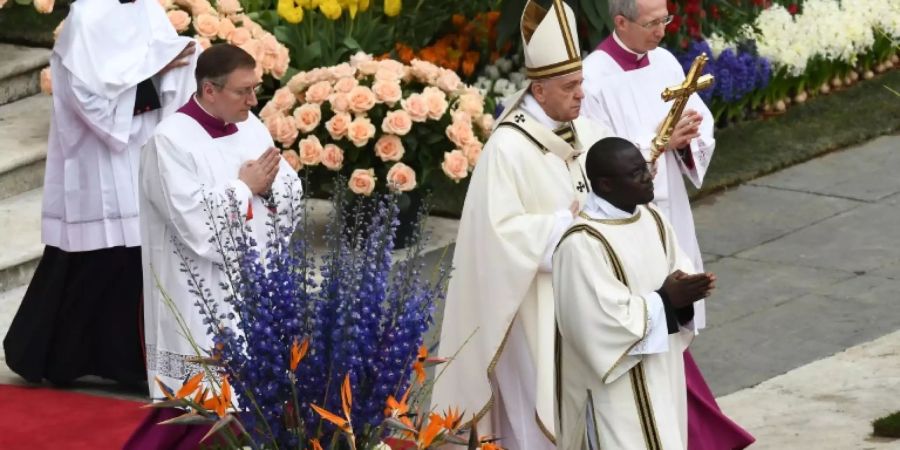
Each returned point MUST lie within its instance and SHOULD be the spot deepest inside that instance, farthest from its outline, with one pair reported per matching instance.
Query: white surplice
(90, 185)
(629, 103)
(620, 374)
(181, 166)
(499, 307)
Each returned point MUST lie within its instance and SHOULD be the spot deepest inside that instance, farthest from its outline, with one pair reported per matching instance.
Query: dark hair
(599, 161)
(219, 61)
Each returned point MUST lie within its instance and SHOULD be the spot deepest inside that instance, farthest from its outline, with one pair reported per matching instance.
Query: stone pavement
(808, 267)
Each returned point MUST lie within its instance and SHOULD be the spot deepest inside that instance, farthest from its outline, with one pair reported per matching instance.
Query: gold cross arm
(693, 82)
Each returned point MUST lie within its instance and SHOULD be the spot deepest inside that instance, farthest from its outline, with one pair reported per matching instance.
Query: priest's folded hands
(259, 174)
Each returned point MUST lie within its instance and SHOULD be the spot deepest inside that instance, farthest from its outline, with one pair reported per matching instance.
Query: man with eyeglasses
(212, 163)
(623, 80)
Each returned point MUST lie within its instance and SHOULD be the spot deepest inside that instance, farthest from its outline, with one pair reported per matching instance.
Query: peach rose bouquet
(381, 124)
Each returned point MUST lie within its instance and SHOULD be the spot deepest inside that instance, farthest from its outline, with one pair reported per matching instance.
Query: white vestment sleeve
(702, 147)
(168, 178)
(109, 119)
(564, 220)
(596, 313)
(657, 340)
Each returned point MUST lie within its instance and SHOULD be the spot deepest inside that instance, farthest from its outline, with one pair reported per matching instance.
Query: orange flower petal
(346, 396)
(434, 428)
(314, 443)
(165, 389)
(333, 418)
(190, 386)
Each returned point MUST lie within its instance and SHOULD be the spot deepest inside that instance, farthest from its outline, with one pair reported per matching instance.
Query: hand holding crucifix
(693, 82)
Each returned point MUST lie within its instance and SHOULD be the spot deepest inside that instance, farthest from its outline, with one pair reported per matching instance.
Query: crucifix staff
(693, 82)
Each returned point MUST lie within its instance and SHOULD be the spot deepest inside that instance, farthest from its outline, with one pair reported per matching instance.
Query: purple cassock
(708, 427)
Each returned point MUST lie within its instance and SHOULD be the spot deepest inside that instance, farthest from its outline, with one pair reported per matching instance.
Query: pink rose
(448, 81)
(436, 101)
(460, 133)
(310, 151)
(361, 99)
(282, 60)
(417, 107)
(401, 178)
(200, 7)
(226, 27)
(318, 92)
(44, 6)
(269, 111)
(205, 43)
(179, 19)
(46, 81)
(359, 58)
(239, 36)
(486, 122)
(340, 102)
(360, 131)
(332, 157)
(390, 70)
(343, 70)
(338, 125)
(345, 85)
(397, 122)
(471, 103)
(362, 181)
(206, 25)
(367, 67)
(473, 152)
(307, 117)
(228, 7)
(455, 165)
(298, 82)
(425, 71)
(282, 130)
(283, 99)
(253, 47)
(388, 91)
(293, 159)
(389, 148)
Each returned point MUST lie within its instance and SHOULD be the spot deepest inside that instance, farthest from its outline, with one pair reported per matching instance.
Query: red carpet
(42, 418)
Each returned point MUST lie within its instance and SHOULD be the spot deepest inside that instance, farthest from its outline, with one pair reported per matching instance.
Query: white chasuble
(183, 167)
(498, 317)
(605, 272)
(629, 103)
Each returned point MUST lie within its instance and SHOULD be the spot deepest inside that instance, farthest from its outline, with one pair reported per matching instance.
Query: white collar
(532, 107)
(598, 208)
(625, 47)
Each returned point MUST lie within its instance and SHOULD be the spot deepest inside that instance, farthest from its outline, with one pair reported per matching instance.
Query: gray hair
(625, 8)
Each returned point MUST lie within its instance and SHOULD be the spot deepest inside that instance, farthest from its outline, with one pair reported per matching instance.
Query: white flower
(517, 78)
(501, 86)
(504, 65)
(492, 72)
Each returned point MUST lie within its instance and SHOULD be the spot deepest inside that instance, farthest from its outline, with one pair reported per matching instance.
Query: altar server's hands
(259, 174)
(683, 289)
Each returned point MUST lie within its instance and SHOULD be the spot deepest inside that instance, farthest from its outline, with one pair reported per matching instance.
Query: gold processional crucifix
(693, 82)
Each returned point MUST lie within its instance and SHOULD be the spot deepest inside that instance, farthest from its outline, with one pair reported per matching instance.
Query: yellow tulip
(350, 5)
(363, 5)
(331, 9)
(290, 11)
(392, 7)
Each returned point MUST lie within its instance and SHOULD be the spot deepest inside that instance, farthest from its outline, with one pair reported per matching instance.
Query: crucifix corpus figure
(693, 82)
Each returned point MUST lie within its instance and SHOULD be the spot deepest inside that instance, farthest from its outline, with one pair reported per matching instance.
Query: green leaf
(510, 17)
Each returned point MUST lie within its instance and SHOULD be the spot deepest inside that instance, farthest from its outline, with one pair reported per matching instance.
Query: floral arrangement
(471, 42)
(226, 22)
(822, 45)
(740, 76)
(500, 79)
(314, 350)
(381, 123)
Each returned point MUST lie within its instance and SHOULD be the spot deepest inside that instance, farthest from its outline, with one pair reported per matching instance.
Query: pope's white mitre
(550, 40)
